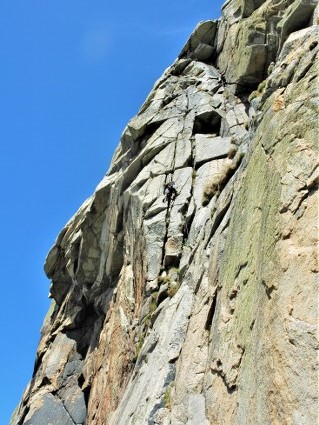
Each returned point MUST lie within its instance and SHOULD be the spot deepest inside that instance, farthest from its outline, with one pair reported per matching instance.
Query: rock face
(202, 310)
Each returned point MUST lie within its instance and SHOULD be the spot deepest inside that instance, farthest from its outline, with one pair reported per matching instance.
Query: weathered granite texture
(203, 311)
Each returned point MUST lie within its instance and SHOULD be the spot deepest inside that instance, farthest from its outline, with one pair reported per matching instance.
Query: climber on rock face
(222, 79)
(169, 192)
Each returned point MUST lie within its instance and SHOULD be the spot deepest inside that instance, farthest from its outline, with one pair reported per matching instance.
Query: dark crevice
(304, 72)
(219, 372)
(75, 266)
(204, 161)
(168, 99)
(119, 221)
(207, 123)
(233, 294)
(301, 200)
(83, 331)
(135, 163)
(244, 87)
(188, 221)
(211, 312)
(151, 128)
(199, 282)
(24, 414)
(45, 381)
(313, 45)
(268, 289)
(161, 297)
(240, 267)
(81, 380)
(37, 364)
(187, 225)
(86, 393)
(251, 326)
(148, 132)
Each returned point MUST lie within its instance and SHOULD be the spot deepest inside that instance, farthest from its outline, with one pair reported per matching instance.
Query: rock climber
(170, 192)
(222, 79)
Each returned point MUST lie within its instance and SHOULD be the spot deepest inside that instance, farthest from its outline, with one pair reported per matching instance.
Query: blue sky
(72, 74)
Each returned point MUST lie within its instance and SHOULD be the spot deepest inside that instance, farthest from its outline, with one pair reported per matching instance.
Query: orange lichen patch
(279, 103)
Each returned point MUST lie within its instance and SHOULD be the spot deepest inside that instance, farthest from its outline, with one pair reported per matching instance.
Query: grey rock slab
(138, 124)
(183, 152)
(106, 183)
(165, 134)
(74, 403)
(182, 179)
(238, 131)
(167, 113)
(151, 191)
(196, 410)
(72, 367)
(315, 15)
(203, 33)
(160, 164)
(202, 71)
(296, 38)
(208, 147)
(127, 141)
(241, 115)
(202, 215)
(144, 395)
(252, 247)
(231, 118)
(199, 99)
(296, 16)
(251, 67)
(48, 409)
(217, 100)
(211, 86)
(154, 230)
(152, 196)
(233, 10)
(54, 359)
(203, 52)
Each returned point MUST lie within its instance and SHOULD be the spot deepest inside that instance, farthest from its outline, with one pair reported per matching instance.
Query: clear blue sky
(72, 74)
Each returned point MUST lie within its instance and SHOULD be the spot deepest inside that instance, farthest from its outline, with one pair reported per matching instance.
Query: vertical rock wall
(202, 310)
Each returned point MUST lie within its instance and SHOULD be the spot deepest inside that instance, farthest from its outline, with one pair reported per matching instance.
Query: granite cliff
(204, 310)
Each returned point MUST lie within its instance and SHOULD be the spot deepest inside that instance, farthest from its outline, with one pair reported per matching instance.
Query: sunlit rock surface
(204, 310)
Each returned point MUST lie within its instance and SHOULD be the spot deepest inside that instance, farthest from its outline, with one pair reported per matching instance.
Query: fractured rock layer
(202, 310)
